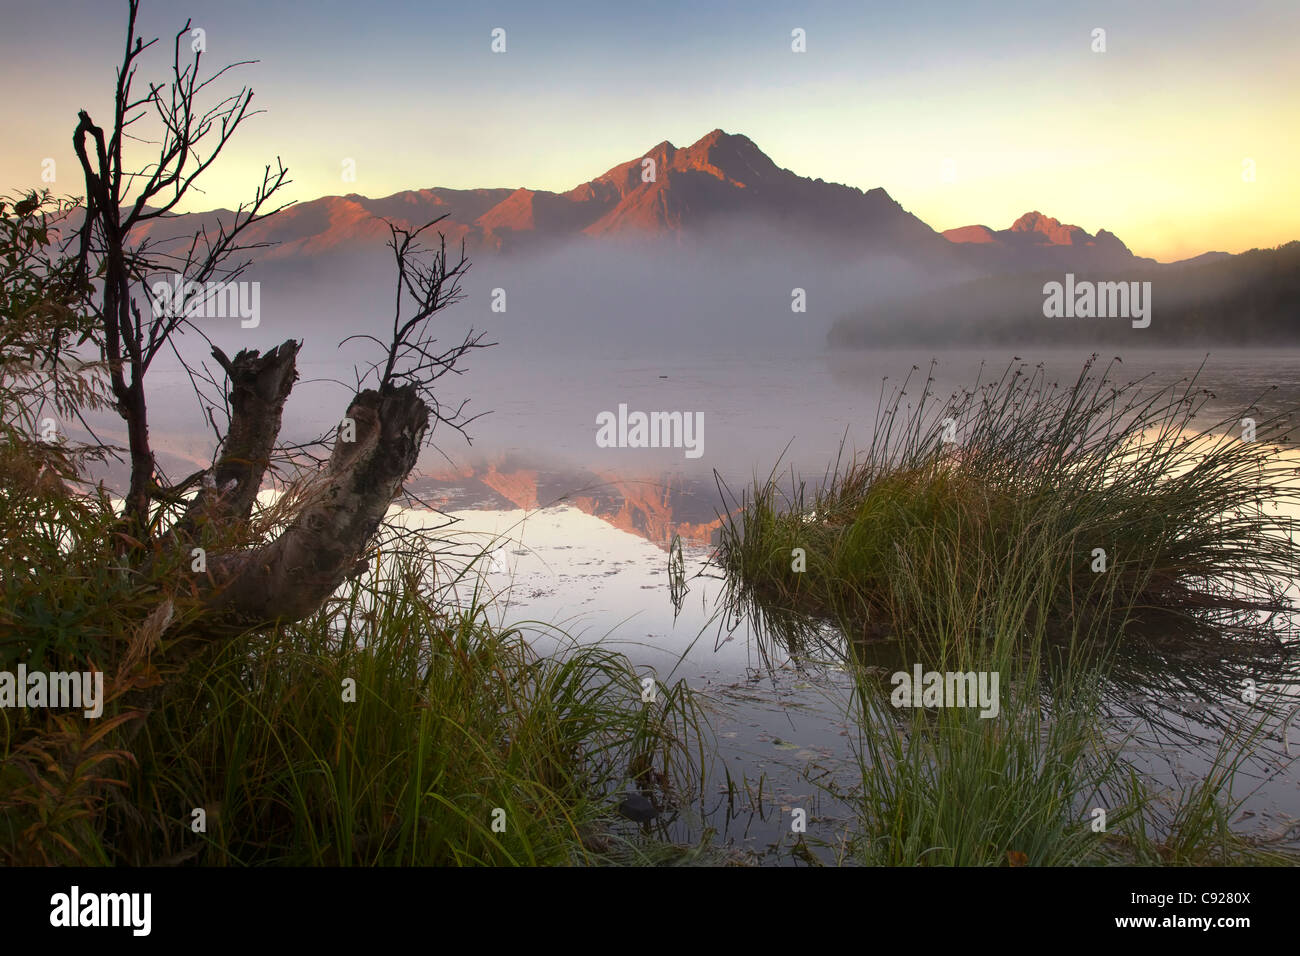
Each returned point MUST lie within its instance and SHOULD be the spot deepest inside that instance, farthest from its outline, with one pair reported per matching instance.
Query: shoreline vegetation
(397, 726)
(1082, 541)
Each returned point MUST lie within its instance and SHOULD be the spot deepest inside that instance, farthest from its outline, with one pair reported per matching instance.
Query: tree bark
(259, 387)
(288, 578)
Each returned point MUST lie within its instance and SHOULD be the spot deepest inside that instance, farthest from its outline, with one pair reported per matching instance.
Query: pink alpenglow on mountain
(1036, 241)
(717, 189)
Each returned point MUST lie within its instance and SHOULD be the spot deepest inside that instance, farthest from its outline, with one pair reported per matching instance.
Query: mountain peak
(717, 136)
(1050, 229)
(730, 157)
(977, 234)
(1035, 240)
(1034, 221)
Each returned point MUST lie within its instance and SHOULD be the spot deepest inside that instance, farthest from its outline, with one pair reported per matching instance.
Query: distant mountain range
(722, 181)
(734, 234)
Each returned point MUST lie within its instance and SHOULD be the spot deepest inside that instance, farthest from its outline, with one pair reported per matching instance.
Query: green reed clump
(1046, 779)
(1112, 500)
(1006, 784)
(1040, 786)
(950, 788)
(1080, 542)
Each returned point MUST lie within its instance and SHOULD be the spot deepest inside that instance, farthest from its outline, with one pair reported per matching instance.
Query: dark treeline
(1243, 300)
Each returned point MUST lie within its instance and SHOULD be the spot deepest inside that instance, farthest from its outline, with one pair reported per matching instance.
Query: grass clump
(1044, 782)
(1082, 543)
(949, 788)
(1092, 500)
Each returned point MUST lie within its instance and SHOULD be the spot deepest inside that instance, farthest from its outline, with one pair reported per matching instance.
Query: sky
(1181, 137)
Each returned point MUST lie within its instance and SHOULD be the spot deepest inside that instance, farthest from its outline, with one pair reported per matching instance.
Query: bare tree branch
(106, 254)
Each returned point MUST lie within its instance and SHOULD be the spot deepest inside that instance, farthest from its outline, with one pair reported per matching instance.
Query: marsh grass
(445, 719)
(946, 787)
(1193, 823)
(949, 788)
(452, 720)
(965, 538)
(917, 537)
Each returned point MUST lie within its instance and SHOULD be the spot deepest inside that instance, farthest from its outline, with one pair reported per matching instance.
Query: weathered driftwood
(337, 511)
(290, 576)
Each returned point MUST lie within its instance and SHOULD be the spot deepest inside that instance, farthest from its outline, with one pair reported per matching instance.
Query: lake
(581, 534)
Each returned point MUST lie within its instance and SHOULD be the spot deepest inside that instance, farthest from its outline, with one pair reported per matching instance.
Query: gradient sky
(1146, 139)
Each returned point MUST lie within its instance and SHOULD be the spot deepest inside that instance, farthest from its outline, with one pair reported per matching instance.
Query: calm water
(583, 530)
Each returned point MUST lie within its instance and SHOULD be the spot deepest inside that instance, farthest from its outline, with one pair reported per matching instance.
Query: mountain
(1036, 242)
(722, 194)
(1203, 259)
(726, 177)
(721, 182)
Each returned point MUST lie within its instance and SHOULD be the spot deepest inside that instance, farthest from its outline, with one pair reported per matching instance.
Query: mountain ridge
(723, 180)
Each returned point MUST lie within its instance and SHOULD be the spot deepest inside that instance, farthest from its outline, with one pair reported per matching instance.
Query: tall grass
(949, 788)
(395, 726)
(1042, 786)
(917, 536)
(1082, 542)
